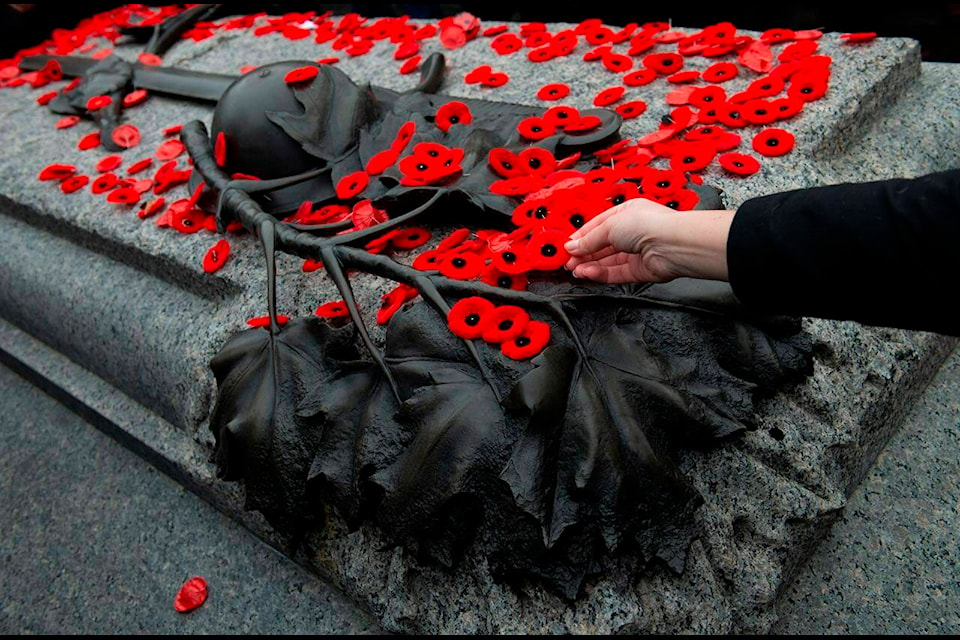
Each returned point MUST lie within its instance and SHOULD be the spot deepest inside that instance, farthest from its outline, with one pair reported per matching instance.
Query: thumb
(590, 242)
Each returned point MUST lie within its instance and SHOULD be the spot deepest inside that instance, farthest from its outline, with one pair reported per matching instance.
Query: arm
(885, 253)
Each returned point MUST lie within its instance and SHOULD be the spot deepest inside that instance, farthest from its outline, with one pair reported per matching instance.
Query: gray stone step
(93, 539)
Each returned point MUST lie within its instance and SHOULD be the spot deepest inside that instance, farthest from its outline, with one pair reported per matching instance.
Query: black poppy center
(761, 112)
(421, 167)
(562, 114)
(735, 115)
(663, 184)
(509, 256)
(689, 160)
(618, 199)
(459, 263)
(673, 204)
(506, 325)
(507, 165)
(577, 220)
(187, 222)
(505, 281)
(806, 90)
(667, 120)
(548, 250)
(433, 154)
(541, 213)
(534, 163)
(738, 164)
(536, 129)
(473, 319)
(522, 342)
(454, 119)
(708, 98)
(667, 63)
(772, 142)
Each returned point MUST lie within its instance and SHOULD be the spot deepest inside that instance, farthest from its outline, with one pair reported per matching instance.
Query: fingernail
(572, 246)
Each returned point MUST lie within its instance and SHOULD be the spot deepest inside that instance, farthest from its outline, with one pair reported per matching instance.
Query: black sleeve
(882, 253)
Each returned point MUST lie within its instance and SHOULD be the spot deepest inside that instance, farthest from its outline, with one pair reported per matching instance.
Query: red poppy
(46, 98)
(852, 38)
(545, 250)
(692, 156)
(124, 195)
(617, 62)
(766, 87)
(720, 72)
(731, 114)
(670, 37)
(542, 54)
(538, 161)
(773, 142)
(708, 132)
(684, 77)
(640, 43)
(807, 87)
(301, 75)
(757, 57)
(506, 43)
(406, 50)
(639, 77)
(150, 59)
(776, 36)
(139, 166)
(553, 91)
(216, 256)
(727, 141)
(739, 163)
(57, 172)
(104, 183)
(410, 65)
(191, 595)
(461, 266)
(126, 136)
(331, 310)
(410, 238)
(152, 208)
(597, 53)
(497, 79)
(528, 344)
(468, 319)
(350, 186)
(169, 150)
(631, 109)
(490, 32)
(535, 128)
(380, 162)
(560, 115)
(583, 124)
(264, 321)
(108, 163)
(510, 260)
(681, 200)
(788, 107)
(599, 35)
(798, 50)
(608, 96)
(98, 102)
(67, 121)
(760, 112)
(478, 74)
(707, 96)
(496, 278)
(430, 163)
(428, 260)
(74, 183)
(505, 163)
(808, 34)
(664, 63)
(505, 323)
(404, 135)
(392, 301)
(662, 182)
(453, 113)
(134, 98)
(174, 130)
(517, 186)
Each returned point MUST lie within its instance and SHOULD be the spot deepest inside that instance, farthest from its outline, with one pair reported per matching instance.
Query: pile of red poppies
(705, 127)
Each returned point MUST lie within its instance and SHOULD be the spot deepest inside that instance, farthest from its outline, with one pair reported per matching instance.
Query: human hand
(642, 241)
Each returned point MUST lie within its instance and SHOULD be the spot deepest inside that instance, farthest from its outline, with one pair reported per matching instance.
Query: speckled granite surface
(152, 321)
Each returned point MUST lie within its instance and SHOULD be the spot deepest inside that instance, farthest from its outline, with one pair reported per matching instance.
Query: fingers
(599, 255)
(618, 274)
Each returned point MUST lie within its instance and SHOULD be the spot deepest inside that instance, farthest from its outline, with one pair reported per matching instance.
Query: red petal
(170, 150)
(351, 185)
(216, 256)
(191, 595)
(134, 98)
(608, 96)
(301, 75)
(757, 57)
(67, 121)
(126, 136)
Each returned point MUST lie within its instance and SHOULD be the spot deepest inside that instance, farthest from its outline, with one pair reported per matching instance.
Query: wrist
(690, 244)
